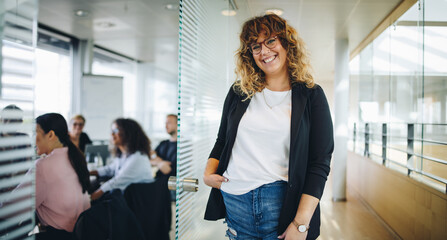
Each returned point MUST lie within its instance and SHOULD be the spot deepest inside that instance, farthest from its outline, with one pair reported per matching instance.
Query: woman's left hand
(292, 233)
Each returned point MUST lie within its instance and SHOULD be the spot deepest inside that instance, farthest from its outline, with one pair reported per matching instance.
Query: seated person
(77, 136)
(131, 163)
(165, 155)
(62, 178)
(12, 114)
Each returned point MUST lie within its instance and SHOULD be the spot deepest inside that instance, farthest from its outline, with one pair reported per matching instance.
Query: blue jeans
(254, 215)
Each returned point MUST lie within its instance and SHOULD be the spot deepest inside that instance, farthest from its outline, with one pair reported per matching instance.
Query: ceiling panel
(145, 30)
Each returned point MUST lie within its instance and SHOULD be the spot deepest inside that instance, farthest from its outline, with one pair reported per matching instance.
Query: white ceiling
(145, 30)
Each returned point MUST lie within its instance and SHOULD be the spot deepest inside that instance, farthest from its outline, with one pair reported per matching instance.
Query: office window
(53, 74)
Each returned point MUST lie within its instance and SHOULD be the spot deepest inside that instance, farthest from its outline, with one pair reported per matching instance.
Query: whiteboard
(101, 103)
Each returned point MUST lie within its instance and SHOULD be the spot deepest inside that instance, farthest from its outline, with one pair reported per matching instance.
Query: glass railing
(415, 149)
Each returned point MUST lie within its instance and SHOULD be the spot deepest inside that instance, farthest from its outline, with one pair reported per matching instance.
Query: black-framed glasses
(270, 43)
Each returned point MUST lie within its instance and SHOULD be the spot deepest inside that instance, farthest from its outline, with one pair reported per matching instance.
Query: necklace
(268, 105)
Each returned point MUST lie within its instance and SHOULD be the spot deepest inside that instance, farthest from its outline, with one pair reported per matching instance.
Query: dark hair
(133, 137)
(12, 108)
(57, 123)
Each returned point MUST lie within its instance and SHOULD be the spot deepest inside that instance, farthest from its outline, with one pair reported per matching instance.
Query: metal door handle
(187, 184)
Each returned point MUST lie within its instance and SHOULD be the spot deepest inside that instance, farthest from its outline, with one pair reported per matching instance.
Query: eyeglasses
(115, 130)
(78, 124)
(270, 43)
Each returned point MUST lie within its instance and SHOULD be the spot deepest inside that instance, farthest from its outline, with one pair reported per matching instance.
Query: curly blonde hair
(251, 77)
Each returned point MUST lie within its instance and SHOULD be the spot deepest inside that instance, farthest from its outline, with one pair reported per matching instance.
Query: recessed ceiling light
(228, 12)
(81, 13)
(171, 6)
(276, 11)
(104, 25)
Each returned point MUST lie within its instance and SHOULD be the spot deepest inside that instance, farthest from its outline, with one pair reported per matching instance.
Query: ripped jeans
(254, 215)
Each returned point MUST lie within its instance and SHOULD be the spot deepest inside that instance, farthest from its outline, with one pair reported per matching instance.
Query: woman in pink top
(62, 178)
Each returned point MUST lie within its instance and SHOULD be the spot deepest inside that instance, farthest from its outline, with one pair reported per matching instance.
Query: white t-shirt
(260, 154)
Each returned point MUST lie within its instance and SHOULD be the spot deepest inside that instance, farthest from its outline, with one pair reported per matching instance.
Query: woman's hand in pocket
(214, 180)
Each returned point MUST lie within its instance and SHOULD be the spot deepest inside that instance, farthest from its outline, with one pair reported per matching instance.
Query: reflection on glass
(401, 80)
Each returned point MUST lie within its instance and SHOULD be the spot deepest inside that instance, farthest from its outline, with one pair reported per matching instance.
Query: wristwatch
(301, 227)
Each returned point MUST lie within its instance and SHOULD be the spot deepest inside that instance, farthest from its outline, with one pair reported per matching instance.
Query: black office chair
(109, 218)
(151, 204)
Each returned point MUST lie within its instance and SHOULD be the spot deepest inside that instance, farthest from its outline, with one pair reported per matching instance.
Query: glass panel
(381, 77)
(402, 82)
(203, 82)
(17, 46)
(375, 147)
(435, 141)
(435, 61)
(353, 121)
(368, 109)
(398, 136)
(435, 91)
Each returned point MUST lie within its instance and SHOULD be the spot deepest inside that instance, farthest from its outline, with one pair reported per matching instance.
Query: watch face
(302, 228)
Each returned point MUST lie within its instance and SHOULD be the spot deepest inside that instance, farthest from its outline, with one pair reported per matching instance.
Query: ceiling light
(276, 11)
(228, 12)
(104, 25)
(81, 13)
(171, 6)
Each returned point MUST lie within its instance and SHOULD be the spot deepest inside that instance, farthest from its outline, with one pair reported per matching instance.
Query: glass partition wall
(17, 57)
(400, 107)
(202, 86)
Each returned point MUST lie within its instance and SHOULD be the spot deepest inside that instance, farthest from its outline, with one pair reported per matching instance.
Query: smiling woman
(250, 58)
(273, 149)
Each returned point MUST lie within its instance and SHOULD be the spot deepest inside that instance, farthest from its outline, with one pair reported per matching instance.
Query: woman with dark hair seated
(131, 163)
(62, 178)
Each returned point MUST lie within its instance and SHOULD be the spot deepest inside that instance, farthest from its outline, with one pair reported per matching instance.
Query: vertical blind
(202, 89)
(17, 31)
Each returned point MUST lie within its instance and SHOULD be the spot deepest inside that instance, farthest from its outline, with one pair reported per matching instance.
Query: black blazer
(311, 146)
(83, 141)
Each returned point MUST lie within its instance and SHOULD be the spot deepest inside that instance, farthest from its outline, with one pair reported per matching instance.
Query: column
(341, 114)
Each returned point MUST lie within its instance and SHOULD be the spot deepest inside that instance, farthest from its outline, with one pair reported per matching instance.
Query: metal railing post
(410, 144)
(354, 137)
(384, 142)
(366, 153)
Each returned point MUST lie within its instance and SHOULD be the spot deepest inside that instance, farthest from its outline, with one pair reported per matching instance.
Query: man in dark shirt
(165, 156)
